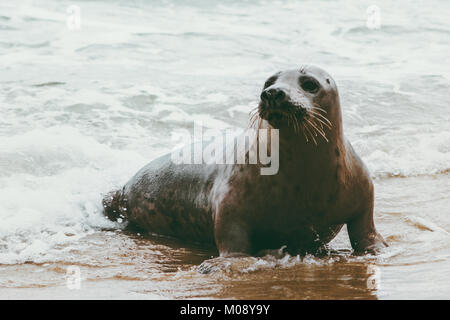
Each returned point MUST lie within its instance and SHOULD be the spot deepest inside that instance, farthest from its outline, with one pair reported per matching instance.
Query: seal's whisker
(314, 110)
(319, 124)
(254, 115)
(324, 123)
(299, 122)
(314, 124)
(312, 127)
(312, 136)
(292, 120)
(315, 128)
(252, 121)
(328, 123)
(319, 131)
(318, 107)
(292, 117)
(303, 130)
(297, 125)
(290, 124)
(306, 137)
(289, 120)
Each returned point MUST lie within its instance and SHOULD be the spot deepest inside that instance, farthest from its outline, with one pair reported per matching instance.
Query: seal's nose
(273, 95)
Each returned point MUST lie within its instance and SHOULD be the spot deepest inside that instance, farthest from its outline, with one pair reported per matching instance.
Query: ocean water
(82, 109)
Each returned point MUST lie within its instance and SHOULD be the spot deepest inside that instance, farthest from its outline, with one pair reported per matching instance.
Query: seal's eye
(309, 85)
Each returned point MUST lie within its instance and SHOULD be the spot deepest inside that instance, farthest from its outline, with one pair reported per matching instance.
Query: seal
(320, 186)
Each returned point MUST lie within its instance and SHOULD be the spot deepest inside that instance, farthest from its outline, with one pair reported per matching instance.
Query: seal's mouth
(310, 121)
(286, 114)
(275, 115)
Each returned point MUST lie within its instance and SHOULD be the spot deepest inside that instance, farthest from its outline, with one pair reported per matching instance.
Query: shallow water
(83, 110)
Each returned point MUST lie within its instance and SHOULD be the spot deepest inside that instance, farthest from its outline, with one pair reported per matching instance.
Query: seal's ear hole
(328, 81)
(309, 84)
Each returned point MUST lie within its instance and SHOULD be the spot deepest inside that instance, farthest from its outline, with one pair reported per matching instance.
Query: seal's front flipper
(213, 265)
(223, 263)
(363, 235)
(231, 237)
(232, 242)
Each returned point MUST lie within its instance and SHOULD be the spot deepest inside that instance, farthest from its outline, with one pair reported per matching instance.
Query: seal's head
(303, 101)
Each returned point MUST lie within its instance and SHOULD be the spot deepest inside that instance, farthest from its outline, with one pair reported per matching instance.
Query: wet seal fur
(321, 184)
